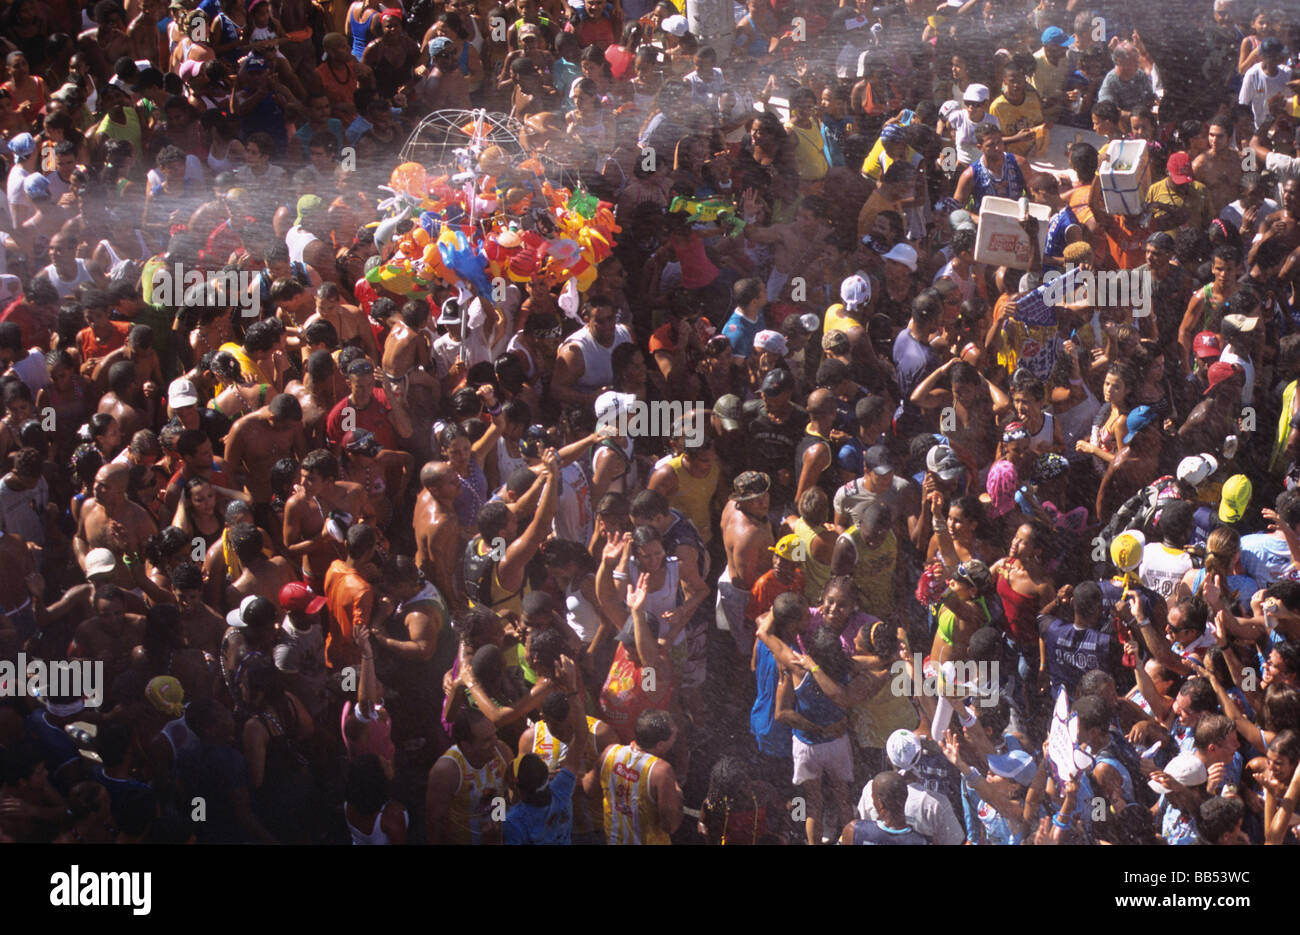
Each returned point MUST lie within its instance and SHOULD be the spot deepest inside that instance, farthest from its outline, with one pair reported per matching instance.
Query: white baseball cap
(903, 749)
(676, 25)
(610, 403)
(903, 253)
(855, 291)
(949, 108)
(182, 392)
(1196, 469)
(976, 93)
(100, 561)
(1185, 769)
(773, 342)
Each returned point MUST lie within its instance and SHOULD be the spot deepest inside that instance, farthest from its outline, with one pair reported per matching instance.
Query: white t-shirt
(14, 191)
(1236, 210)
(963, 132)
(1229, 356)
(1162, 567)
(1257, 88)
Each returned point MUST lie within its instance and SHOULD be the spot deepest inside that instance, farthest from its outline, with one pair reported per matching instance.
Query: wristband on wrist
(972, 775)
(966, 717)
(815, 668)
(1060, 824)
(496, 411)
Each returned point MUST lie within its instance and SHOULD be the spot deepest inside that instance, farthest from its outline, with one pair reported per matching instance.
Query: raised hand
(636, 595)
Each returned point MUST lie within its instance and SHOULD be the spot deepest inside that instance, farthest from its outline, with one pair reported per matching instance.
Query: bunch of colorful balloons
(494, 222)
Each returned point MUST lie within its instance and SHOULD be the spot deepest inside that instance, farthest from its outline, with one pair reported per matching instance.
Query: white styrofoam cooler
(999, 238)
(1125, 190)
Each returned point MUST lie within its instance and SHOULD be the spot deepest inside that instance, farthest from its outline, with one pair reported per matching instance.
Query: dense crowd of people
(355, 555)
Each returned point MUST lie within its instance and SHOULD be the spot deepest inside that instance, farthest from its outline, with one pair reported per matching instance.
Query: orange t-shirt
(1126, 241)
(92, 348)
(767, 589)
(351, 600)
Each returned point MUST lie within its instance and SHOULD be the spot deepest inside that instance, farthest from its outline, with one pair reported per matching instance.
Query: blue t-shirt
(1176, 827)
(549, 824)
(914, 361)
(305, 132)
(772, 736)
(984, 823)
(740, 332)
(1056, 229)
(1264, 557)
(873, 832)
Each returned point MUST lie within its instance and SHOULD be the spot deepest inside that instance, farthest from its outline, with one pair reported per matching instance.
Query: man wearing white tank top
(584, 367)
(308, 241)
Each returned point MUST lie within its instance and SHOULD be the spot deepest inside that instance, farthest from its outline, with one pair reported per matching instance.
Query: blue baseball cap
(1016, 765)
(893, 133)
(22, 145)
(1055, 35)
(438, 46)
(1138, 419)
(850, 459)
(36, 187)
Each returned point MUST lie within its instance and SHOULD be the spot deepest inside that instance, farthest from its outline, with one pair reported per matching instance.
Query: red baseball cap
(297, 598)
(1207, 344)
(1219, 371)
(1179, 168)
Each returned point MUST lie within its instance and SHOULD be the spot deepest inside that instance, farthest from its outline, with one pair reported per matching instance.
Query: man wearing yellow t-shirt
(851, 312)
(889, 148)
(1051, 68)
(810, 146)
(1019, 110)
(1178, 200)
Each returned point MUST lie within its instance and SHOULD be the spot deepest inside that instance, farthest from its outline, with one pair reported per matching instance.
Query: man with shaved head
(112, 521)
(437, 530)
(814, 455)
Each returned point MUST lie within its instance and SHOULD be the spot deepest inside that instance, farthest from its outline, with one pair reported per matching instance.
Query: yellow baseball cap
(789, 547)
(1237, 491)
(1126, 549)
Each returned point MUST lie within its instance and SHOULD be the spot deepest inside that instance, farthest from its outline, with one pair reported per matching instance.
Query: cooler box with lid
(999, 238)
(1125, 176)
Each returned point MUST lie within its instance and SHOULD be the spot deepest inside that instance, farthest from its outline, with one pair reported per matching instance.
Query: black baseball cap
(776, 382)
(879, 460)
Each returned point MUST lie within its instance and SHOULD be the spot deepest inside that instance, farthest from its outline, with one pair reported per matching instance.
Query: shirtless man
(796, 243)
(352, 324)
(106, 42)
(1200, 314)
(1136, 462)
(109, 635)
(437, 530)
(15, 594)
(306, 532)
(139, 350)
(259, 576)
(260, 439)
(407, 355)
(112, 521)
(1219, 168)
(316, 394)
(123, 398)
(259, 357)
(146, 42)
(746, 536)
(293, 303)
(201, 625)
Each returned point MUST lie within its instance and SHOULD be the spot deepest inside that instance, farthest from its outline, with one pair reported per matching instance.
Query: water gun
(709, 211)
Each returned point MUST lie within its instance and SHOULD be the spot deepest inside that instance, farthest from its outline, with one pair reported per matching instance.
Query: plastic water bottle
(1024, 207)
